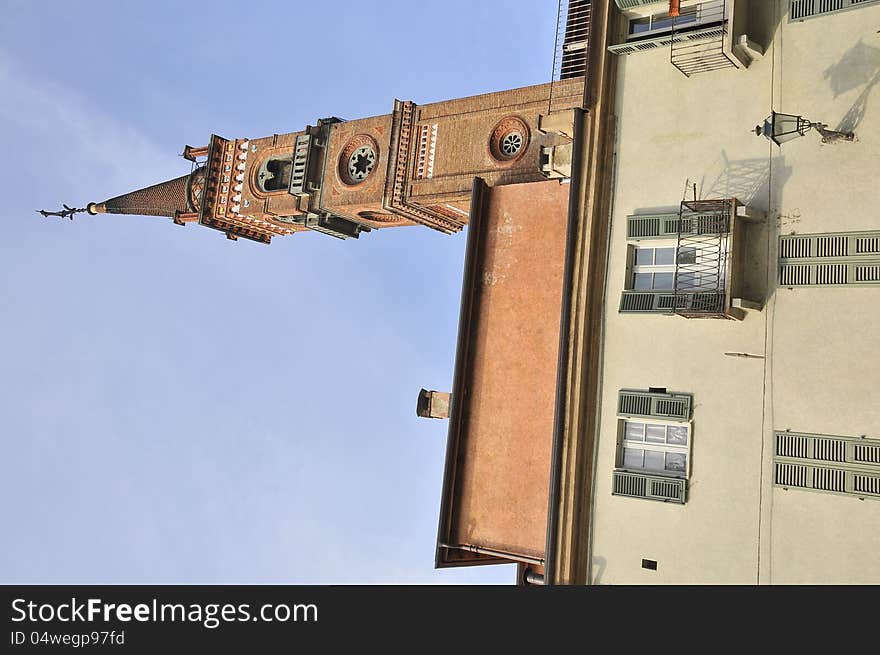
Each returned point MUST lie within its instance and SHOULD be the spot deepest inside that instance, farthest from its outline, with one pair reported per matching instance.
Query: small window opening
(274, 175)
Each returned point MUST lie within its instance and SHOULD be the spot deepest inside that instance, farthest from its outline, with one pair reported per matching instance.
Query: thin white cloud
(79, 141)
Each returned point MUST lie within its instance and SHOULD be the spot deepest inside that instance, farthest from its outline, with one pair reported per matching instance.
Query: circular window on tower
(509, 139)
(195, 189)
(358, 159)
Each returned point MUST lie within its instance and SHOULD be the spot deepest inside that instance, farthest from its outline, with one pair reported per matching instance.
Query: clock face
(196, 188)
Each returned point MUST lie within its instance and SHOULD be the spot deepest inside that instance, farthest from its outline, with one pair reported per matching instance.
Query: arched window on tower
(274, 174)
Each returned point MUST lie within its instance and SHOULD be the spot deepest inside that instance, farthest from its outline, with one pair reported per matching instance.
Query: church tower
(414, 166)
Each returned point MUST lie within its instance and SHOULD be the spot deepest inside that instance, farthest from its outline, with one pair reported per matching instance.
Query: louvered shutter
(801, 9)
(651, 226)
(644, 404)
(300, 164)
(651, 487)
(832, 259)
(819, 462)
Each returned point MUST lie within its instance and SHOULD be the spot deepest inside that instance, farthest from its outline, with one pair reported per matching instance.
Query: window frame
(633, 268)
(623, 442)
(652, 31)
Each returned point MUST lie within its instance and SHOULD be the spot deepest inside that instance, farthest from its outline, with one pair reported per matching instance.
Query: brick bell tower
(414, 166)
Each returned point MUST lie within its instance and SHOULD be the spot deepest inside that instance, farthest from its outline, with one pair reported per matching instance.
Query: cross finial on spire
(68, 212)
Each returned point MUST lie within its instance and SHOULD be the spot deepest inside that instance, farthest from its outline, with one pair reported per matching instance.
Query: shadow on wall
(598, 569)
(763, 17)
(859, 66)
(748, 180)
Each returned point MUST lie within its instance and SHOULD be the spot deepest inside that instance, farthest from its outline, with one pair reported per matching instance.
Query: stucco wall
(820, 368)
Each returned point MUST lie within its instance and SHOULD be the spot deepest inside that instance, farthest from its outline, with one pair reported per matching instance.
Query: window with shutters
(654, 267)
(829, 463)
(801, 9)
(661, 22)
(829, 259)
(696, 22)
(689, 263)
(656, 447)
(654, 435)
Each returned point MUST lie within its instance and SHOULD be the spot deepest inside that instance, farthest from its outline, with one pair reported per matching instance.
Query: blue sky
(180, 408)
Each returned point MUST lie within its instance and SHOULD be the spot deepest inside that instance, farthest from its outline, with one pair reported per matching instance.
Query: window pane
(688, 281)
(687, 256)
(634, 431)
(643, 281)
(676, 462)
(644, 256)
(633, 458)
(639, 25)
(688, 15)
(677, 435)
(663, 280)
(664, 255)
(654, 460)
(664, 21)
(656, 433)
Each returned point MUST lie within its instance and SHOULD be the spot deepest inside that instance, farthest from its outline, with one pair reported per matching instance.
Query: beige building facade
(668, 360)
(771, 472)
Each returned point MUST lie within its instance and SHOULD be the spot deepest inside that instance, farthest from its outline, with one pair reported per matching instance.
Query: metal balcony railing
(702, 51)
(702, 258)
(572, 48)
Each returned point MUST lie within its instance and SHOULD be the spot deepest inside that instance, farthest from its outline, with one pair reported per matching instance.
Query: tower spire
(164, 199)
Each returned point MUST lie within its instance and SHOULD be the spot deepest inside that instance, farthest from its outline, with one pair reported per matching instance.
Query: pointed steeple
(163, 199)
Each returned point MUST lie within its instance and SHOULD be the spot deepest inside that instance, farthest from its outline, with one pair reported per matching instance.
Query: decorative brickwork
(400, 172)
(163, 199)
(380, 217)
(414, 166)
(509, 140)
(358, 160)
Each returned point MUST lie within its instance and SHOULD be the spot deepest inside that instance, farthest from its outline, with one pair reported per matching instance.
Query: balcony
(699, 40)
(707, 277)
